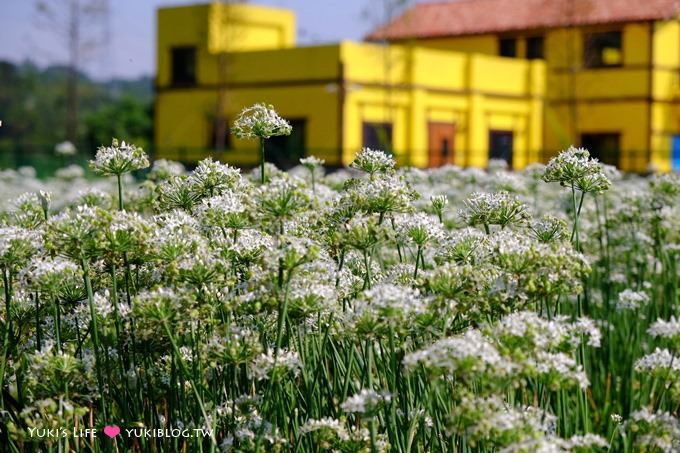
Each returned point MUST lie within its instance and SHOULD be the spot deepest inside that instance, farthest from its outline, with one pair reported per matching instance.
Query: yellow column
(477, 152)
(418, 139)
(536, 91)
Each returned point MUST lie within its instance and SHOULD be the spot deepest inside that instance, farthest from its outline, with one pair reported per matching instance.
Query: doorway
(441, 143)
(500, 146)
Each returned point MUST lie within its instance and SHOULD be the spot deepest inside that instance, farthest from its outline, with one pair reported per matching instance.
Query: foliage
(34, 109)
(369, 309)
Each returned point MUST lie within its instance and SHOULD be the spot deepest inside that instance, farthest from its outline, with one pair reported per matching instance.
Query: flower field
(368, 309)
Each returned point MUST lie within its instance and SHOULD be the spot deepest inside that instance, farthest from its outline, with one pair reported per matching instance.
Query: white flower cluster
(118, 159)
(260, 121)
(373, 161)
(420, 228)
(366, 402)
(547, 334)
(65, 148)
(659, 360)
(312, 162)
(384, 307)
(656, 431)
(273, 365)
(471, 352)
(631, 300)
(574, 168)
(493, 209)
(666, 329)
(325, 423)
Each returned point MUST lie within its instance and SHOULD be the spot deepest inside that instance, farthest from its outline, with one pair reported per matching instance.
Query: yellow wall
(247, 28)
(180, 26)
(463, 91)
(639, 99)
(485, 44)
(236, 28)
(460, 80)
(377, 84)
(665, 111)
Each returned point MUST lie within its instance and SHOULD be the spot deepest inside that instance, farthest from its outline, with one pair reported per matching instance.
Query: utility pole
(74, 23)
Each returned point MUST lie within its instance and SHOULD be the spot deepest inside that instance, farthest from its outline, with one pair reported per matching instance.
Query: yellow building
(613, 66)
(443, 91)
(427, 106)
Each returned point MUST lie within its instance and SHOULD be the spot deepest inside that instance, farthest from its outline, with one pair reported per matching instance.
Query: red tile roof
(467, 17)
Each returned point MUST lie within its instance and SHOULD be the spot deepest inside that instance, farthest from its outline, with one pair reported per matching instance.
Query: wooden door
(441, 143)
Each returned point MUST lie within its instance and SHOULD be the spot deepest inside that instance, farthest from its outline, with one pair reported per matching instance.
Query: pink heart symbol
(111, 431)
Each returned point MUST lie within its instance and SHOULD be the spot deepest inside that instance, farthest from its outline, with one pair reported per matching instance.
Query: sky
(131, 49)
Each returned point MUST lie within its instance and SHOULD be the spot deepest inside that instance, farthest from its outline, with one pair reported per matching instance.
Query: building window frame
(183, 66)
(603, 154)
(596, 43)
(535, 47)
(497, 136)
(371, 135)
(507, 46)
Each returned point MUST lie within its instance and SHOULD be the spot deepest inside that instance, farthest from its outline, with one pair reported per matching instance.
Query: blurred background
(432, 82)
(79, 72)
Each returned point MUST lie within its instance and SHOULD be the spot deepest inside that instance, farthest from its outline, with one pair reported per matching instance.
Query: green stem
(367, 264)
(120, 193)
(262, 160)
(6, 279)
(369, 375)
(282, 315)
(95, 333)
(577, 213)
(418, 253)
(185, 374)
(38, 335)
(57, 322)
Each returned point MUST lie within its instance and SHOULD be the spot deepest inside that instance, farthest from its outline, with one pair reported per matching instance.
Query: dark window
(602, 49)
(500, 146)
(535, 47)
(377, 136)
(604, 147)
(507, 47)
(183, 60)
(285, 151)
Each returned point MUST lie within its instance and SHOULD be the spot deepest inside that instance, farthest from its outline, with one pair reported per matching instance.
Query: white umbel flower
(666, 329)
(118, 159)
(260, 121)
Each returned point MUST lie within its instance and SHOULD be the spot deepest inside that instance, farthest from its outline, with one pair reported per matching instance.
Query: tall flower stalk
(575, 169)
(261, 122)
(118, 159)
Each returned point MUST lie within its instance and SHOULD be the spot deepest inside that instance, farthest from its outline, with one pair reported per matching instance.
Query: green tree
(126, 118)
